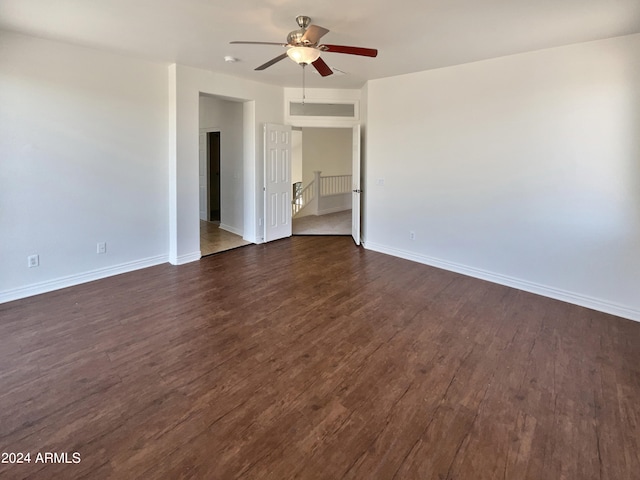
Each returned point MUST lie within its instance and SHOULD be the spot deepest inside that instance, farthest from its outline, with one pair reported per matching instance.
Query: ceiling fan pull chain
(303, 92)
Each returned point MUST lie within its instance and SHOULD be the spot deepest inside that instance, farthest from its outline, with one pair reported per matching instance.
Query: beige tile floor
(213, 239)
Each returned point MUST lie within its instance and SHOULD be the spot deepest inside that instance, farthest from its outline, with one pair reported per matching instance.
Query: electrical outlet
(412, 235)
(102, 247)
(33, 261)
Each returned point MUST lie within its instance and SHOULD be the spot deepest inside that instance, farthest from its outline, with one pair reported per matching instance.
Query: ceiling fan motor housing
(295, 37)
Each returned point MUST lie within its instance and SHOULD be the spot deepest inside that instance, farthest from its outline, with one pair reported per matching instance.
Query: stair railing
(319, 187)
(303, 198)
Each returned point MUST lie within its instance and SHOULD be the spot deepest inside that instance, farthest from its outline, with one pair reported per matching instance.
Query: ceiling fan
(303, 47)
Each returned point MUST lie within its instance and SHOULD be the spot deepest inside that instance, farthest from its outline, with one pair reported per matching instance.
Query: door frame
(328, 122)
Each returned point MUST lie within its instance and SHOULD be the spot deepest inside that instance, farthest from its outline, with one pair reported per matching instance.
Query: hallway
(213, 239)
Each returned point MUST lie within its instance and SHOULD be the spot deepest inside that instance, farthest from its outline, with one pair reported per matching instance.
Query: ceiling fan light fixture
(303, 55)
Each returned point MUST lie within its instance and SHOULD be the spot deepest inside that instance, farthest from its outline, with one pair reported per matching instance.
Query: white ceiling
(411, 35)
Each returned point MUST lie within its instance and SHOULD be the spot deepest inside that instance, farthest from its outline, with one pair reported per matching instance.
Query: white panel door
(277, 179)
(355, 195)
(202, 179)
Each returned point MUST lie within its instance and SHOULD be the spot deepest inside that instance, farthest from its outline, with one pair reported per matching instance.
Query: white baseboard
(187, 258)
(230, 229)
(546, 291)
(77, 279)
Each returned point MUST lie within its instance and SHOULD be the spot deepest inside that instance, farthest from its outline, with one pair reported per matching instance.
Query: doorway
(322, 160)
(213, 190)
(221, 180)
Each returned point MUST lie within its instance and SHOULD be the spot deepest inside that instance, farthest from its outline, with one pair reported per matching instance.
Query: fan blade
(313, 34)
(272, 61)
(259, 43)
(365, 52)
(322, 68)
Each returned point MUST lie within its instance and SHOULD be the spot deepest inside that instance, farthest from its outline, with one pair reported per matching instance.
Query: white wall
(83, 159)
(227, 118)
(524, 170)
(261, 103)
(327, 150)
(98, 147)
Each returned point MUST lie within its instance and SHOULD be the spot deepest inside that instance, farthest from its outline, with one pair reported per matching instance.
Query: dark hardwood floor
(311, 358)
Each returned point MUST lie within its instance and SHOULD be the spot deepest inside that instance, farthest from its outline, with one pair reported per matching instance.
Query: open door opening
(213, 192)
(222, 170)
(322, 183)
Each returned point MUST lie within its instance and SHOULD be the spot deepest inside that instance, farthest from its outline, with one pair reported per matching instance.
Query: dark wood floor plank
(311, 358)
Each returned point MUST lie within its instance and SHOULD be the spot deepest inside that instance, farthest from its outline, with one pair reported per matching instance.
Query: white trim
(187, 258)
(173, 161)
(77, 279)
(251, 190)
(230, 229)
(321, 95)
(319, 121)
(336, 194)
(546, 291)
